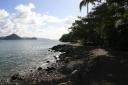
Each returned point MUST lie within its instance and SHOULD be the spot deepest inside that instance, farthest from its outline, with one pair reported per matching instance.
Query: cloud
(28, 23)
(25, 8)
(3, 13)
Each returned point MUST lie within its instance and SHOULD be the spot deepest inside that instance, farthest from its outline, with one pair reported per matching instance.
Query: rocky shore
(78, 65)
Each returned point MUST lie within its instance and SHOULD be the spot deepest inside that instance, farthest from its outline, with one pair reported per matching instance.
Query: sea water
(20, 56)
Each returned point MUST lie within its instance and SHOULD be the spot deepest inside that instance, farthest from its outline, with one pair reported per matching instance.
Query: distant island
(16, 37)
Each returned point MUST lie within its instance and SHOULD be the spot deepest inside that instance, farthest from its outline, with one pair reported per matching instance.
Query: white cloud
(28, 23)
(3, 13)
(25, 8)
(69, 20)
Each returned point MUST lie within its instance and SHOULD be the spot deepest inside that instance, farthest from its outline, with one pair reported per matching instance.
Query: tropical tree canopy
(106, 25)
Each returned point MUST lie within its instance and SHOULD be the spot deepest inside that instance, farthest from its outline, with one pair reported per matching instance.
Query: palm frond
(82, 3)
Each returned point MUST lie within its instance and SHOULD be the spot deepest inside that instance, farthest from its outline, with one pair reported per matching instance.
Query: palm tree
(86, 3)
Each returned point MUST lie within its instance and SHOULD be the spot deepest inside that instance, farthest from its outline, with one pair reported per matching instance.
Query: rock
(66, 83)
(55, 57)
(31, 70)
(50, 69)
(47, 61)
(65, 70)
(75, 64)
(62, 48)
(74, 72)
(16, 77)
(98, 52)
(40, 68)
(67, 59)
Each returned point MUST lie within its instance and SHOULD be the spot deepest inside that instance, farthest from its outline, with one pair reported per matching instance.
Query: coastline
(77, 65)
(52, 74)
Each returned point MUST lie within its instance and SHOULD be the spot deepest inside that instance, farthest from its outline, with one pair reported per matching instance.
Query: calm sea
(20, 56)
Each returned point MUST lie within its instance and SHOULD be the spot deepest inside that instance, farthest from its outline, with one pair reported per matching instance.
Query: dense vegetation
(106, 25)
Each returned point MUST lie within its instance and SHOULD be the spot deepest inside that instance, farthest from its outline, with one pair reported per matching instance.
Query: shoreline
(77, 65)
(52, 69)
(26, 67)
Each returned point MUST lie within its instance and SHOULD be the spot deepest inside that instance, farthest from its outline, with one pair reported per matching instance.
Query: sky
(38, 18)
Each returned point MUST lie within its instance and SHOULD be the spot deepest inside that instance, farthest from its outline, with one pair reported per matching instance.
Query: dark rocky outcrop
(102, 68)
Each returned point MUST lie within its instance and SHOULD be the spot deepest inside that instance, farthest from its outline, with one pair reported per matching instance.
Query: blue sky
(60, 8)
(22, 16)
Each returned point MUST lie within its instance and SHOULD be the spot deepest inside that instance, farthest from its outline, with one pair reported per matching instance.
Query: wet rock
(47, 61)
(40, 68)
(31, 70)
(55, 57)
(50, 69)
(16, 77)
(62, 48)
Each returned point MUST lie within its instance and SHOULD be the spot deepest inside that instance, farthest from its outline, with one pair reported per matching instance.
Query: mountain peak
(17, 37)
(13, 36)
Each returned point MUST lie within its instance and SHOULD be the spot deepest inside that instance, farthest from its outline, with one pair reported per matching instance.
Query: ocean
(21, 56)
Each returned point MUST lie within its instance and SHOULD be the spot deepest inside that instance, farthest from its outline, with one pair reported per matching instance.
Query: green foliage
(65, 38)
(106, 25)
(68, 38)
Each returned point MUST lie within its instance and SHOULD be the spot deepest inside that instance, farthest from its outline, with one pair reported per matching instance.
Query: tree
(86, 3)
(106, 25)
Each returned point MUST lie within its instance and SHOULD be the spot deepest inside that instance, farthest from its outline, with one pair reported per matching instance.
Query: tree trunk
(87, 8)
